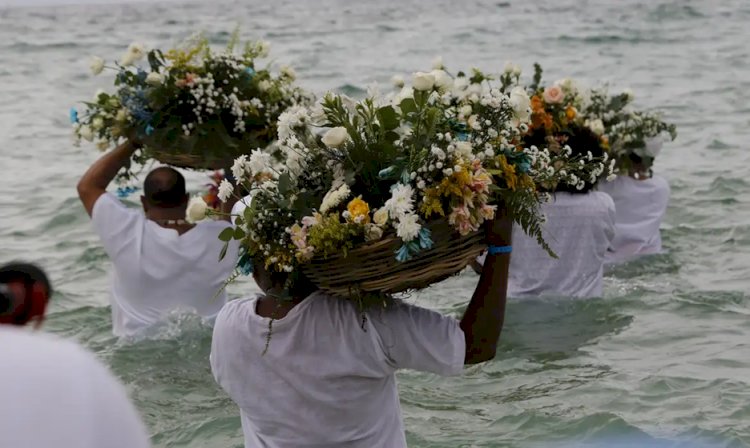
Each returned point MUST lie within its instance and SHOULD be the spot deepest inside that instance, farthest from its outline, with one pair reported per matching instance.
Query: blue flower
(73, 115)
(250, 71)
(245, 263)
(149, 129)
(405, 178)
(425, 238)
(403, 254)
(124, 192)
(142, 75)
(462, 136)
(524, 167)
(386, 172)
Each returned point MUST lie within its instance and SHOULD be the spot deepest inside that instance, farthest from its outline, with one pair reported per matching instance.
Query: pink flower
(487, 212)
(461, 219)
(553, 95)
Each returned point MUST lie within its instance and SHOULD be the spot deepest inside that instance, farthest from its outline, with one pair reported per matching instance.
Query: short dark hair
(581, 140)
(164, 187)
(29, 273)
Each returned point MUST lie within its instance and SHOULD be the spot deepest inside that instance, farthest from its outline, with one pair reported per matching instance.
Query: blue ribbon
(386, 172)
(245, 263)
(73, 115)
(149, 129)
(425, 238)
(403, 254)
(462, 137)
(124, 192)
(250, 71)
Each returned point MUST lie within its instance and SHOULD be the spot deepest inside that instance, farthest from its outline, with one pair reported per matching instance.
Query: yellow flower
(359, 211)
(509, 172)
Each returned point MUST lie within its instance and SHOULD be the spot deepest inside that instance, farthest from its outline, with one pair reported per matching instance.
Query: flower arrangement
(630, 132)
(191, 107)
(444, 149)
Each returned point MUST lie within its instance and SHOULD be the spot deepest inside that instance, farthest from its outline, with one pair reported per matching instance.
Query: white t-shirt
(156, 270)
(641, 206)
(56, 394)
(579, 229)
(327, 379)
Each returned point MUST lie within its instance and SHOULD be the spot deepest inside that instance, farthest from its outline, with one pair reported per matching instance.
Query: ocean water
(663, 359)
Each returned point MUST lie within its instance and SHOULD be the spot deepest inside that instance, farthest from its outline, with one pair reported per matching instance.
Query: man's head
(24, 293)
(164, 189)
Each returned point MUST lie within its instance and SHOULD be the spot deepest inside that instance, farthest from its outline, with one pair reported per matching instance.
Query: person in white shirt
(315, 372)
(161, 263)
(579, 228)
(641, 200)
(54, 393)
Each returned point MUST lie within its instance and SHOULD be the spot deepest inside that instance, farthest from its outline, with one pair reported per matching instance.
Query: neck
(166, 214)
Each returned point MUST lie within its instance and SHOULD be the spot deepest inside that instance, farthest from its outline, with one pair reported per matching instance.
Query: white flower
(596, 126)
(335, 137)
(225, 190)
(334, 198)
(196, 210)
(437, 63)
(134, 54)
(380, 217)
(122, 115)
(653, 147)
(408, 227)
(466, 110)
(423, 81)
(398, 81)
(288, 72)
(464, 149)
(473, 122)
(442, 79)
(239, 168)
(259, 161)
(264, 85)
(508, 69)
(86, 133)
(401, 201)
(97, 123)
(264, 47)
(406, 92)
(97, 65)
(154, 79)
(516, 70)
(373, 232)
(521, 103)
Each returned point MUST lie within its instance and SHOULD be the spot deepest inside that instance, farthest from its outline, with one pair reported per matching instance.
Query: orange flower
(570, 112)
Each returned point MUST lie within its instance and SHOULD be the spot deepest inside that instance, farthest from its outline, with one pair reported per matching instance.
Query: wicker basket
(203, 155)
(374, 269)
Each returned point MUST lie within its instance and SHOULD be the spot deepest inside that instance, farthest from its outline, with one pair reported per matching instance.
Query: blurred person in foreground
(641, 200)
(315, 371)
(161, 262)
(54, 393)
(579, 228)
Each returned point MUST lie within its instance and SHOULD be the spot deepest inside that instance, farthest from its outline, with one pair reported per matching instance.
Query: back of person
(55, 394)
(156, 270)
(641, 206)
(579, 229)
(327, 376)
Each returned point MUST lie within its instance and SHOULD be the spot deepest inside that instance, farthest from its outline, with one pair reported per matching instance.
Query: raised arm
(483, 318)
(94, 182)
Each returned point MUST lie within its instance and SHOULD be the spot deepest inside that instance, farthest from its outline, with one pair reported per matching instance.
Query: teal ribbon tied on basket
(423, 241)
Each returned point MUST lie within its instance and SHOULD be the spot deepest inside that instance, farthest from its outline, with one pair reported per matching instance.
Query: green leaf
(408, 106)
(388, 118)
(285, 183)
(239, 233)
(227, 234)
(223, 252)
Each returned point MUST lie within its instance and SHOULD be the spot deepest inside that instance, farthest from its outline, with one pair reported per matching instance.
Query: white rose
(373, 233)
(508, 69)
(196, 210)
(97, 65)
(423, 81)
(437, 63)
(517, 70)
(442, 79)
(461, 83)
(134, 54)
(86, 133)
(596, 126)
(335, 137)
(466, 110)
(154, 79)
(521, 103)
(264, 47)
(97, 123)
(398, 81)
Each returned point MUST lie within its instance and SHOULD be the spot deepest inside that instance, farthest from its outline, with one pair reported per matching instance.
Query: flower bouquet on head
(393, 196)
(633, 135)
(190, 106)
